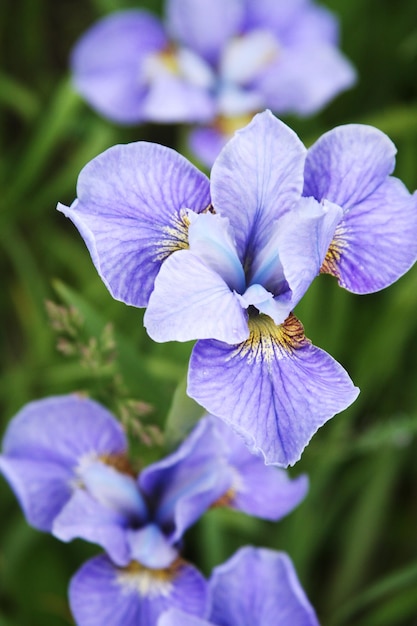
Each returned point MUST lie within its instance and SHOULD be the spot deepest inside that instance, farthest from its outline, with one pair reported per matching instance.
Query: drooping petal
(257, 489)
(203, 26)
(257, 177)
(191, 301)
(102, 594)
(305, 78)
(184, 484)
(149, 547)
(259, 586)
(375, 242)
(42, 488)
(63, 429)
(85, 518)
(173, 617)
(107, 63)
(347, 164)
(275, 389)
(131, 210)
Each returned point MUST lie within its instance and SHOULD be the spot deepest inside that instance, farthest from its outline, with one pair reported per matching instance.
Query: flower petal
(102, 594)
(107, 63)
(347, 164)
(257, 489)
(305, 78)
(191, 301)
(62, 429)
(173, 617)
(42, 488)
(259, 586)
(85, 518)
(130, 211)
(206, 143)
(375, 243)
(275, 389)
(205, 27)
(257, 177)
(186, 483)
(150, 547)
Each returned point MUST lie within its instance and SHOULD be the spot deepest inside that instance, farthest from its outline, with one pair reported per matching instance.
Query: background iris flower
(212, 62)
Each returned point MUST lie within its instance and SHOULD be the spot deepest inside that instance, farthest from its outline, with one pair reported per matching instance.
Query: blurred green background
(354, 539)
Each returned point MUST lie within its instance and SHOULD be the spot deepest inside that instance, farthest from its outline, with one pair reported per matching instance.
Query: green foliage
(354, 539)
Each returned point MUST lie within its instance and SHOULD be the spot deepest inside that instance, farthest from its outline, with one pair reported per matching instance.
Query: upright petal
(257, 177)
(259, 586)
(102, 594)
(85, 518)
(62, 429)
(183, 485)
(107, 63)
(275, 389)
(131, 213)
(203, 26)
(191, 301)
(257, 489)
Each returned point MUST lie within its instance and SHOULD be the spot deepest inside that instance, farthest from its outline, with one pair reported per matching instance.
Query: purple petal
(191, 301)
(173, 617)
(259, 586)
(107, 63)
(130, 211)
(305, 78)
(102, 594)
(186, 483)
(85, 518)
(42, 488)
(278, 15)
(63, 429)
(257, 177)
(258, 489)
(276, 389)
(375, 242)
(347, 164)
(205, 27)
(206, 144)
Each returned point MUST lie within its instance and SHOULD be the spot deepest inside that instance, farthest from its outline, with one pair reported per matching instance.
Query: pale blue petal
(257, 177)
(173, 617)
(203, 26)
(191, 301)
(102, 594)
(276, 389)
(85, 518)
(149, 547)
(183, 485)
(259, 586)
(130, 211)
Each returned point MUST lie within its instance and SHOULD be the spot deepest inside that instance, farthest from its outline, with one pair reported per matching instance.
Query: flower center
(149, 582)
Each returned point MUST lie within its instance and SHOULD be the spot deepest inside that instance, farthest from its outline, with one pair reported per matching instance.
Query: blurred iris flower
(212, 63)
(255, 586)
(226, 261)
(65, 458)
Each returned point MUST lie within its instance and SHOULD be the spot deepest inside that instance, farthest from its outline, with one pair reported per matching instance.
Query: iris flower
(255, 586)
(211, 63)
(65, 458)
(226, 261)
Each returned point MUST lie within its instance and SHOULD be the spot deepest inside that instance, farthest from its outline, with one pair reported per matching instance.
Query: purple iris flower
(65, 458)
(224, 261)
(213, 63)
(256, 586)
